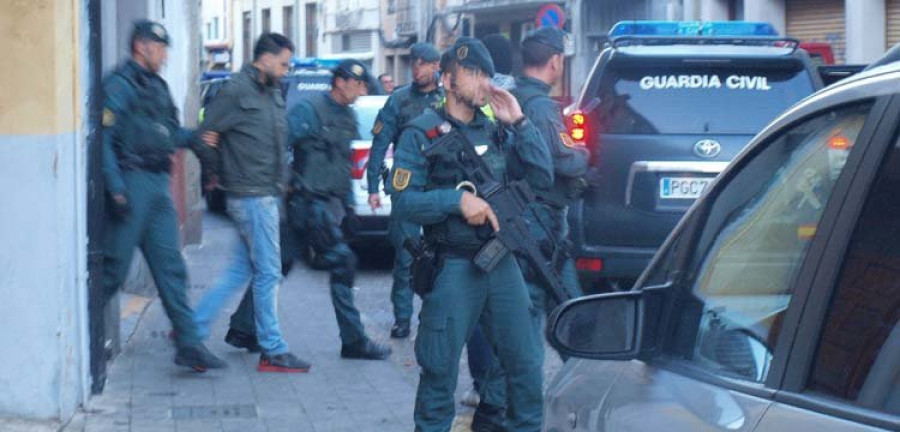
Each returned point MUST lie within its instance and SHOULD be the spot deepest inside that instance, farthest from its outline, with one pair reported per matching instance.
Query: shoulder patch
(109, 119)
(566, 140)
(401, 179)
(377, 128)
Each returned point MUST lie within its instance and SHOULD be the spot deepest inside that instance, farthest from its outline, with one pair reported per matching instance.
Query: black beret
(550, 36)
(470, 53)
(150, 30)
(351, 69)
(425, 51)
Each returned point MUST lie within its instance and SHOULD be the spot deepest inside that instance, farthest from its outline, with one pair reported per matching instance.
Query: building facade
(216, 32)
(859, 31)
(327, 29)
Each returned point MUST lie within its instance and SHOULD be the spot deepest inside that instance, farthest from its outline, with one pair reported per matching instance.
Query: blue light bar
(313, 62)
(692, 28)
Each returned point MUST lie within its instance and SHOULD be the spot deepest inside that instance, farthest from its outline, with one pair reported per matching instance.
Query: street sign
(551, 15)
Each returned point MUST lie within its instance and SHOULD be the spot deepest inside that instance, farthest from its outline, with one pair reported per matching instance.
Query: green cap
(351, 69)
(549, 36)
(150, 30)
(425, 51)
(470, 53)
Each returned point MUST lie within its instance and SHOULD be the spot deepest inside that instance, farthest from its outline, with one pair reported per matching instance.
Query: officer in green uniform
(401, 107)
(321, 130)
(140, 132)
(431, 191)
(543, 59)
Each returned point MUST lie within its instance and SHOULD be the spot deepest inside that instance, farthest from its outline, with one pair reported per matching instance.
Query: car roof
(374, 101)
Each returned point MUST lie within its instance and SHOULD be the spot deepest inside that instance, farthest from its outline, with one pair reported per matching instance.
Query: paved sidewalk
(147, 392)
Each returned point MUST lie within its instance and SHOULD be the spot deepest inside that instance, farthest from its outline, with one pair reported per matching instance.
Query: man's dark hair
(382, 76)
(536, 54)
(271, 43)
(501, 51)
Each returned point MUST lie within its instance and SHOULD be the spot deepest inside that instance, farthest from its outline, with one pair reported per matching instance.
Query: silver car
(373, 225)
(775, 303)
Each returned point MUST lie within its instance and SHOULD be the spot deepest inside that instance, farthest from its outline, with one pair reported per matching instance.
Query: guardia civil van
(665, 108)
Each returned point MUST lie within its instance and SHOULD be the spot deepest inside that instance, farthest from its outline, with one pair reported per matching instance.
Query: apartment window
(208, 31)
(215, 28)
(266, 20)
(288, 22)
(312, 29)
(248, 37)
(353, 42)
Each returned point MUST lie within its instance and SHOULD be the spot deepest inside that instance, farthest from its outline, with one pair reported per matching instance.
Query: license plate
(682, 187)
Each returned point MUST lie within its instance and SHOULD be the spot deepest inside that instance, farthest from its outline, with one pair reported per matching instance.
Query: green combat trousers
(151, 225)
(462, 297)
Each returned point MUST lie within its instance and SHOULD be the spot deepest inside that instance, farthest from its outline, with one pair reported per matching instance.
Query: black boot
(365, 350)
(198, 358)
(400, 330)
(488, 418)
(243, 340)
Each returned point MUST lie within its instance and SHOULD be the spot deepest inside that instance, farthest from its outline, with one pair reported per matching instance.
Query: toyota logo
(707, 148)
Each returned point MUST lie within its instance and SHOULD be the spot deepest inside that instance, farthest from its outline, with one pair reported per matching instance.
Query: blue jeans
(257, 261)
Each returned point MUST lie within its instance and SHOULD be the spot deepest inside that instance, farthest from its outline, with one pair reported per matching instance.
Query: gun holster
(426, 265)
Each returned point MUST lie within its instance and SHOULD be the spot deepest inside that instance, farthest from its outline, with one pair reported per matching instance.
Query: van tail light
(359, 160)
(594, 265)
(577, 127)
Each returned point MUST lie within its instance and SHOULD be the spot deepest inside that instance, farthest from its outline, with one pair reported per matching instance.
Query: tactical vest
(563, 189)
(149, 130)
(445, 173)
(410, 104)
(323, 159)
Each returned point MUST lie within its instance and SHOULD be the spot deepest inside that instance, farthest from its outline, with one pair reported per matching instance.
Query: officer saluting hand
(430, 191)
(140, 131)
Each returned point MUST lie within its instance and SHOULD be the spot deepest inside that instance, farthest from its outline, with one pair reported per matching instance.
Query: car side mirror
(601, 326)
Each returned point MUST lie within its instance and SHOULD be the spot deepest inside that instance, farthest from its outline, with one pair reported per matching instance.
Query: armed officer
(432, 191)
(543, 59)
(140, 132)
(321, 129)
(405, 104)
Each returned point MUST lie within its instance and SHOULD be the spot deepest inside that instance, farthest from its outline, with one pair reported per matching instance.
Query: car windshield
(365, 118)
(691, 99)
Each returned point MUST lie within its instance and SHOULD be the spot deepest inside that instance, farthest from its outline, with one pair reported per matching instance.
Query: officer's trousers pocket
(433, 345)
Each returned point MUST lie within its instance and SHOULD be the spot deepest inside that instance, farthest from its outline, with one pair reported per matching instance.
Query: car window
(755, 237)
(858, 357)
(675, 99)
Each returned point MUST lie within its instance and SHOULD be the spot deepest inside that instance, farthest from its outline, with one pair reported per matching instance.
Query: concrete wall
(43, 363)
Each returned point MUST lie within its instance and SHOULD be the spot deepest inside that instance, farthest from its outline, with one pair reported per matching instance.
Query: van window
(688, 99)
(858, 358)
(755, 238)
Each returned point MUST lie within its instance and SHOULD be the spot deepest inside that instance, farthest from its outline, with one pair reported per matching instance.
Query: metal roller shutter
(893, 22)
(818, 21)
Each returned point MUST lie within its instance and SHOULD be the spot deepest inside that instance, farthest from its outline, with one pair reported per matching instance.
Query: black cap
(470, 53)
(425, 51)
(150, 30)
(550, 36)
(351, 69)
